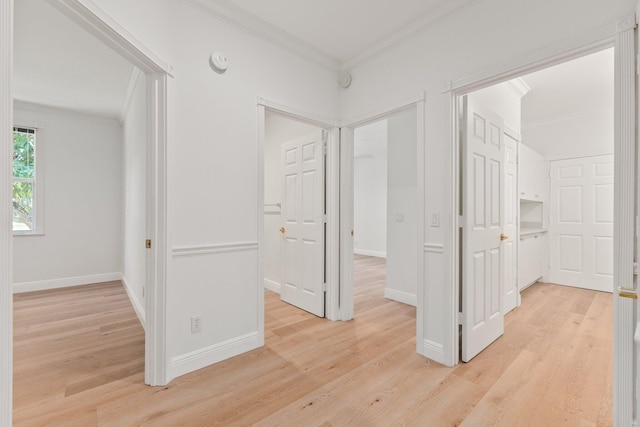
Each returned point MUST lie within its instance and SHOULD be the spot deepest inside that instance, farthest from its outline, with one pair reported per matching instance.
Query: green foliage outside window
(23, 178)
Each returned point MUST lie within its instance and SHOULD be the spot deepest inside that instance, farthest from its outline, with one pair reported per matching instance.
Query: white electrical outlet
(196, 323)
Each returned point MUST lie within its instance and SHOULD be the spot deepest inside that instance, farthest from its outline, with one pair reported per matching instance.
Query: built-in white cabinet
(533, 179)
(532, 175)
(530, 258)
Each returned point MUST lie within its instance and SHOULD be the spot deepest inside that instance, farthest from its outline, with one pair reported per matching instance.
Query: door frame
(6, 232)
(86, 14)
(332, 208)
(621, 36)
(347, 212)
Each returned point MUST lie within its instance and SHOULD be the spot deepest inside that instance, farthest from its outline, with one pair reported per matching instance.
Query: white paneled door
(510, 230)
(483, 228)
(581, 223)
(303, 223)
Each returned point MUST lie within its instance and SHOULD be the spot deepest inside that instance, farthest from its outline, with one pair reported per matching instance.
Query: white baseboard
(366, 252)
(400, 296)
(66, 282)
(206, 356)
(434, 351)
(138, 306)
(272, 286)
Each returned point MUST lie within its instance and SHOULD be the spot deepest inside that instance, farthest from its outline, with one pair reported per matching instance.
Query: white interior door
(581, 223)
(509, 246)
(483, 212)
(303, 219)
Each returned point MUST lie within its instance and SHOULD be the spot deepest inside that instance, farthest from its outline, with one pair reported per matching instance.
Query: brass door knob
(283, 230)
(503, 236)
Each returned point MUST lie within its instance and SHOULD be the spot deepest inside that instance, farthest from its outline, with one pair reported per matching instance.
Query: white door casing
(624, 229)
(6, 233)
(581, 222)
(303, 222)
(483, 212)
(510, 246)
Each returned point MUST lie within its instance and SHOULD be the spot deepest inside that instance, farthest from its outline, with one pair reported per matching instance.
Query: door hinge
(147, 244)
(324, 148)
(324, 287)
(324, 218)
(459, 318)
(460, 221)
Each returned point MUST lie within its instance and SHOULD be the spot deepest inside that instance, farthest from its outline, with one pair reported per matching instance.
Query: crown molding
(444, 11)
(519, 87)
(258, 27)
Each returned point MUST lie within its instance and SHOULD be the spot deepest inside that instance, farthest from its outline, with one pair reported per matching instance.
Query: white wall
(402, 209)
(586, 134)
(134, 193)
(278, 130)
(83, 205)
(370, 189)
(490, 35)
(213, 169)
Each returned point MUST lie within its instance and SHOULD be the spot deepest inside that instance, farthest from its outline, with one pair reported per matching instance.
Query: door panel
(581, 223)
(484, 213)
(303, 223)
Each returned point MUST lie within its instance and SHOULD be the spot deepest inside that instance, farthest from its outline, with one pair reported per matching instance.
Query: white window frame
(38, 188)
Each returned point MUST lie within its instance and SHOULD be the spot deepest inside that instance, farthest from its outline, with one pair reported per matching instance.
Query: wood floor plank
(79, 361)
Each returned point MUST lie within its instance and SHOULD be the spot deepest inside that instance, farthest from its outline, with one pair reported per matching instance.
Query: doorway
(155, 74)
(563, 204)
(90, 192)
(385, 211)
(295, 216)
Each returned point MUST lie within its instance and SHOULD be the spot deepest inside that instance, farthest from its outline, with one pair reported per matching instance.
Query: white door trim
(93, 19)
(6, 233)
(624, 219)
(622, 36)
(346, 209)
(332, 175)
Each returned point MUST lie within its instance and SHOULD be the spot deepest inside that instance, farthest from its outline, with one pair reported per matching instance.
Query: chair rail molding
(213, 248)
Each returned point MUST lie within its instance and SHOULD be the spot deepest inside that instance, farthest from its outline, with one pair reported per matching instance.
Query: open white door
(303, 219)
(511, 202)
(483, 212)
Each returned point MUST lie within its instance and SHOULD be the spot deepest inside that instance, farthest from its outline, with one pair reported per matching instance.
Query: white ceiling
(59, 64)
(343, 32)
(584, 85)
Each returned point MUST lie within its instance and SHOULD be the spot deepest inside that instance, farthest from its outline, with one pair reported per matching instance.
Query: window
(25, 185)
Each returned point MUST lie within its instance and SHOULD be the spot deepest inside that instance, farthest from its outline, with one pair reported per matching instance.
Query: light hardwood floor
(79, 355)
